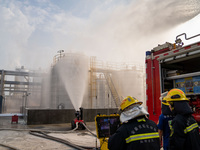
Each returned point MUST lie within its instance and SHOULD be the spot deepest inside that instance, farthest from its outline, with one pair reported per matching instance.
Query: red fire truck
(173, 66)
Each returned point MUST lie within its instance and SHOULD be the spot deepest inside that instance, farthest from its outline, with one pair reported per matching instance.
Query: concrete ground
(17, 136)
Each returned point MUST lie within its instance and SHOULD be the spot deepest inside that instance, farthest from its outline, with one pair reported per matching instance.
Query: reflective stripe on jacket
(137, 134)
(184, 133)
(142, 137)
(191, 127)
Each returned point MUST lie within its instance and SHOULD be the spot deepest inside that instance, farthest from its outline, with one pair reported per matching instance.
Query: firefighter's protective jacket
(184, 133)
(137, 134)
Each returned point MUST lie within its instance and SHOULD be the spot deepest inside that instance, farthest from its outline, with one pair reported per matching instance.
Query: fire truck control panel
(106, 125)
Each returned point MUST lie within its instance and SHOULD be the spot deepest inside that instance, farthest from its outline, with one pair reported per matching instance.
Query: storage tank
(69, 81)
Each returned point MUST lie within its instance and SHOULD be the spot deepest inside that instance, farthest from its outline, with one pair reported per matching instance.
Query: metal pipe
(184, 76)
(2, 82)
(152, 82)
(81, 113)
(186, 36)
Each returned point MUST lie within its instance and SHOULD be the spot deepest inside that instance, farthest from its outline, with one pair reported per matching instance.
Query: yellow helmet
(129, 101)
(164, 102)
(175, 95)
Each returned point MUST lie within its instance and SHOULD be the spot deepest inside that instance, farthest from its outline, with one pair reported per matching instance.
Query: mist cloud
(32, 32)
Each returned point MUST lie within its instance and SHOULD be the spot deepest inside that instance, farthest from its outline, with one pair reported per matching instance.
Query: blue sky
(32, 31)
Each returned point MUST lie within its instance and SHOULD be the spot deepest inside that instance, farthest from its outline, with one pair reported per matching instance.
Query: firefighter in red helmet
(136, 131)
(184, 128)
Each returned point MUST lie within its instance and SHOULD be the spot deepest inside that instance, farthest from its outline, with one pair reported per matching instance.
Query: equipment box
(106, 125)
(14, 119)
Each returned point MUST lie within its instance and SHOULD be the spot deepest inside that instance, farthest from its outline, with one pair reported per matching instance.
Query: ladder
(112, 88)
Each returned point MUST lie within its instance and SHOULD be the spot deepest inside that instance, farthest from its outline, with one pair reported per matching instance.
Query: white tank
(72, 75)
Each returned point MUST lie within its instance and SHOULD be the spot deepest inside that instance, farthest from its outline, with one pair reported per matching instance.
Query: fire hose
(44, 134)
(10, 147)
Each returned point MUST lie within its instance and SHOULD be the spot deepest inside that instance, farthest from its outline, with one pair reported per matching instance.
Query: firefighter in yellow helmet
(184, 129)
(163, 123)
(137, 132)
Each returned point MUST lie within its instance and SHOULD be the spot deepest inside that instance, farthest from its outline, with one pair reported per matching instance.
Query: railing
(100, 65)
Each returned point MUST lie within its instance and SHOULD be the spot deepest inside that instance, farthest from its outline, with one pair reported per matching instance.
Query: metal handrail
(113, 89)
(186, 36)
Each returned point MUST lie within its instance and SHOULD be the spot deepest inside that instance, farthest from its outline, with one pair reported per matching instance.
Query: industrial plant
(73, 81)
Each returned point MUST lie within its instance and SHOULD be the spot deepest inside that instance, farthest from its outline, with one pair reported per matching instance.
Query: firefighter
(163, 124)
(77, 114)
(137, 132)
(184, 128)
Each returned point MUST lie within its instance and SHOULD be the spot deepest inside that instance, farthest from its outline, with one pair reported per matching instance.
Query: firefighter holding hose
(184, 128)
(136, 131)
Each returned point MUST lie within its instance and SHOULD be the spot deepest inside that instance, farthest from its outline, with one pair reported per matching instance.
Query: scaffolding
(112, 72)
(15, 87)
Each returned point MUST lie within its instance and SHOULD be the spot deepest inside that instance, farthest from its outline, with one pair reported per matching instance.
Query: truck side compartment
(173, 66)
